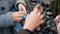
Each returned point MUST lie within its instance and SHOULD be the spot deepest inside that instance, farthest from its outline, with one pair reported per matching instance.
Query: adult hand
(34, 19)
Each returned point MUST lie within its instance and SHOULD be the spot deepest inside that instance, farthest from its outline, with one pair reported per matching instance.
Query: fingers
(35, 9)
(41, 19)
(40, 16)
(18, 19)
(57, 19)
(20, 15)
(22, 8)
(38, 8)
(21, 12)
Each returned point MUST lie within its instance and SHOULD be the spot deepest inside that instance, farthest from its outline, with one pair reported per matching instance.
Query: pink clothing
(58, 23)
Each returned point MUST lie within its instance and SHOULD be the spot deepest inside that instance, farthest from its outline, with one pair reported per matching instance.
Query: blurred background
(54, 4)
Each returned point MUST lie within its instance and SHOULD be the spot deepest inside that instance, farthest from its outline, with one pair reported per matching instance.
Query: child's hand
(21, 7)
(17, 16)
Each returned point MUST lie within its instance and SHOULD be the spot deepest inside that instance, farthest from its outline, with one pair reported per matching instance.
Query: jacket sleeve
(22, 31)
(5, 20)
(19, 1)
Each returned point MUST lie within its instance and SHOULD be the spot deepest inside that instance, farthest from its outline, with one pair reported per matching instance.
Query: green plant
(54, 6)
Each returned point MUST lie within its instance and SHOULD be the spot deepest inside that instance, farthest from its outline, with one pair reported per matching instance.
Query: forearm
(6, 20)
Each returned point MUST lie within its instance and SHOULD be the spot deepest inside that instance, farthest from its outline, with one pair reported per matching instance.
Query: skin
(17, 16)
(34, 19)
(58, 23)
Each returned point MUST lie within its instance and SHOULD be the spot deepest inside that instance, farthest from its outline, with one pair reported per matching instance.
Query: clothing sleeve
(19, 1)
(22, 31)
(6, 20)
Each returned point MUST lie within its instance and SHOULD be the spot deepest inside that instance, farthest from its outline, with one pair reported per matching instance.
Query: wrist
(30, 29)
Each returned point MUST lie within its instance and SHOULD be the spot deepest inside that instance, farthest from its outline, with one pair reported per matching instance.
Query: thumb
(36, 8)
(20, 7)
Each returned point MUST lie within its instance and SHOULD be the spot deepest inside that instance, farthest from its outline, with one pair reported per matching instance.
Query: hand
(17, 16)
(34, 19)
(57, 19)
(21, 7)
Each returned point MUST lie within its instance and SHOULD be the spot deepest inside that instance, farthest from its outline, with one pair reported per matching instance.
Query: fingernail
(37, 6)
